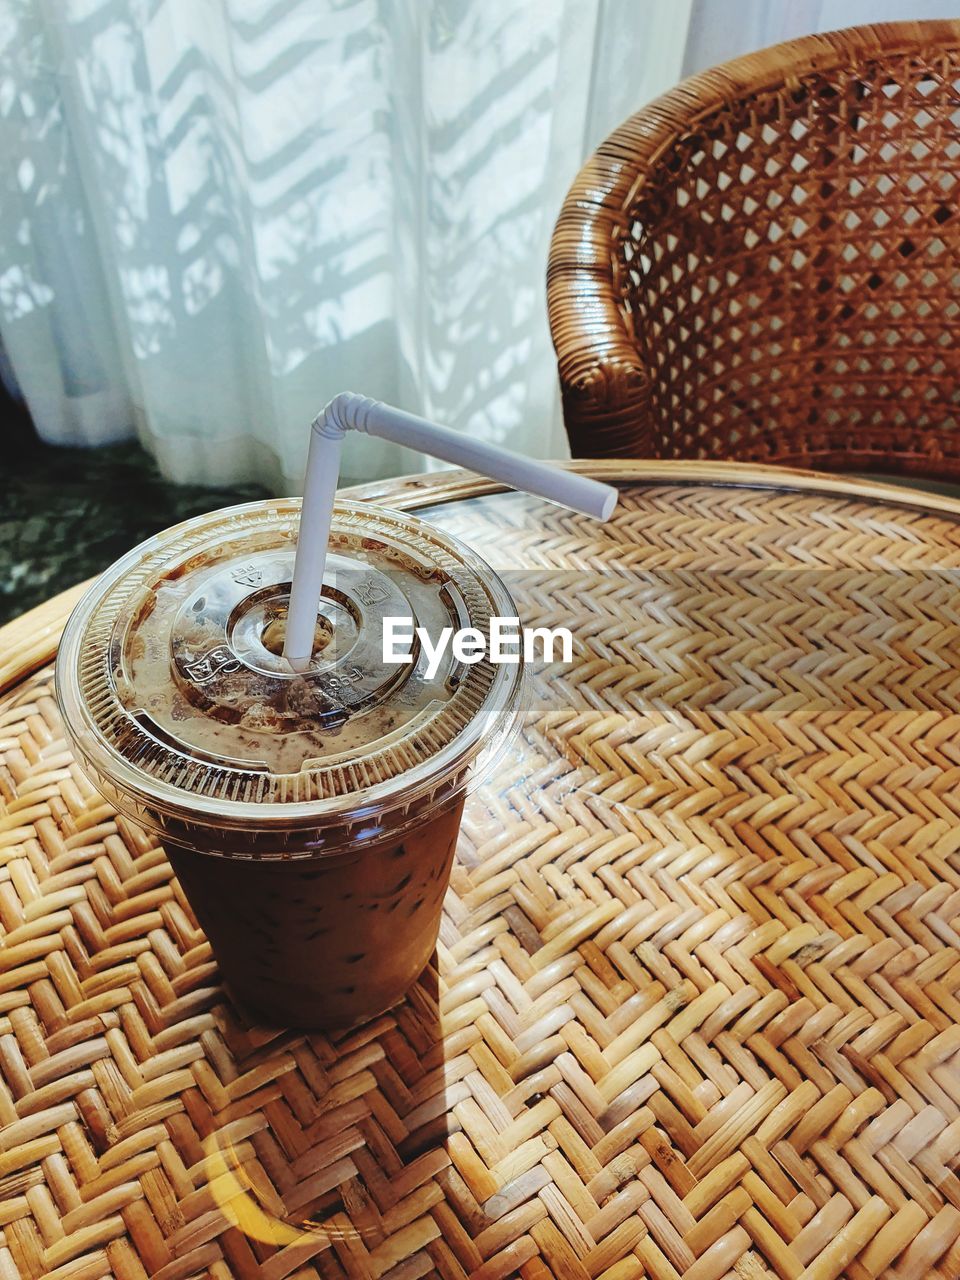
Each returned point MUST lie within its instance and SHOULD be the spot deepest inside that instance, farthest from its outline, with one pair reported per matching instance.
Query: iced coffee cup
(311, 818)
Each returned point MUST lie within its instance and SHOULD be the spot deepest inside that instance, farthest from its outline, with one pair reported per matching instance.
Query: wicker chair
(764, 264)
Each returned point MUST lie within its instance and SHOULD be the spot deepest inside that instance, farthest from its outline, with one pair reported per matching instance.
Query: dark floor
(65, 514)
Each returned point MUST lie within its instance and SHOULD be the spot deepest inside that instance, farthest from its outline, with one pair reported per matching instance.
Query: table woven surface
(694, 1011)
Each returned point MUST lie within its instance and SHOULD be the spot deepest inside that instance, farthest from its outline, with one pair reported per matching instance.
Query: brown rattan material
(694, 1012)
(763, 264)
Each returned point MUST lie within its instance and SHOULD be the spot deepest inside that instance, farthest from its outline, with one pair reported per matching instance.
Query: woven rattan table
(695, 1008)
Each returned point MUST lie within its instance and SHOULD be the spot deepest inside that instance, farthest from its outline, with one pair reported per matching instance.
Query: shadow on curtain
(222, 213)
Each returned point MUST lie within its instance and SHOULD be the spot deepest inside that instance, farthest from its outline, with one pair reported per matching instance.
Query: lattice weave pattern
(695, 1007)
(779, 255)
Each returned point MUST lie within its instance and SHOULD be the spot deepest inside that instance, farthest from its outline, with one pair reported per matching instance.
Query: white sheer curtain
(218, 213)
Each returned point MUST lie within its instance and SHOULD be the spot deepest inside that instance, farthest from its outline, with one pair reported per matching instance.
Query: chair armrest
(603, 381)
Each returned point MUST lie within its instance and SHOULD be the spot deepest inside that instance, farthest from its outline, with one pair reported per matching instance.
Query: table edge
(30, 641)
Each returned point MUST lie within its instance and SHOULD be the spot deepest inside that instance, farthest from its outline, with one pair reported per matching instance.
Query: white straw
(316, 512)
(350, 412)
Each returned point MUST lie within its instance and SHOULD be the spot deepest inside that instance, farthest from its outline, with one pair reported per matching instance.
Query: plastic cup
(311, 818)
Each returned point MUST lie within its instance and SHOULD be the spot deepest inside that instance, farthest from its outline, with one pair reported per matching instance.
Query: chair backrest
(764, 264)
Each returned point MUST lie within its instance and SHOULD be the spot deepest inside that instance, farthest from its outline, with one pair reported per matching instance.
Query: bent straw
(351, 412)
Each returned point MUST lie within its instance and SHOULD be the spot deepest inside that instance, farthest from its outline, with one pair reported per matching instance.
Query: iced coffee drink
(311, 817)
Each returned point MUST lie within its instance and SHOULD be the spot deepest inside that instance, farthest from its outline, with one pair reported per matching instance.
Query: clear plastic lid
(175, 693)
